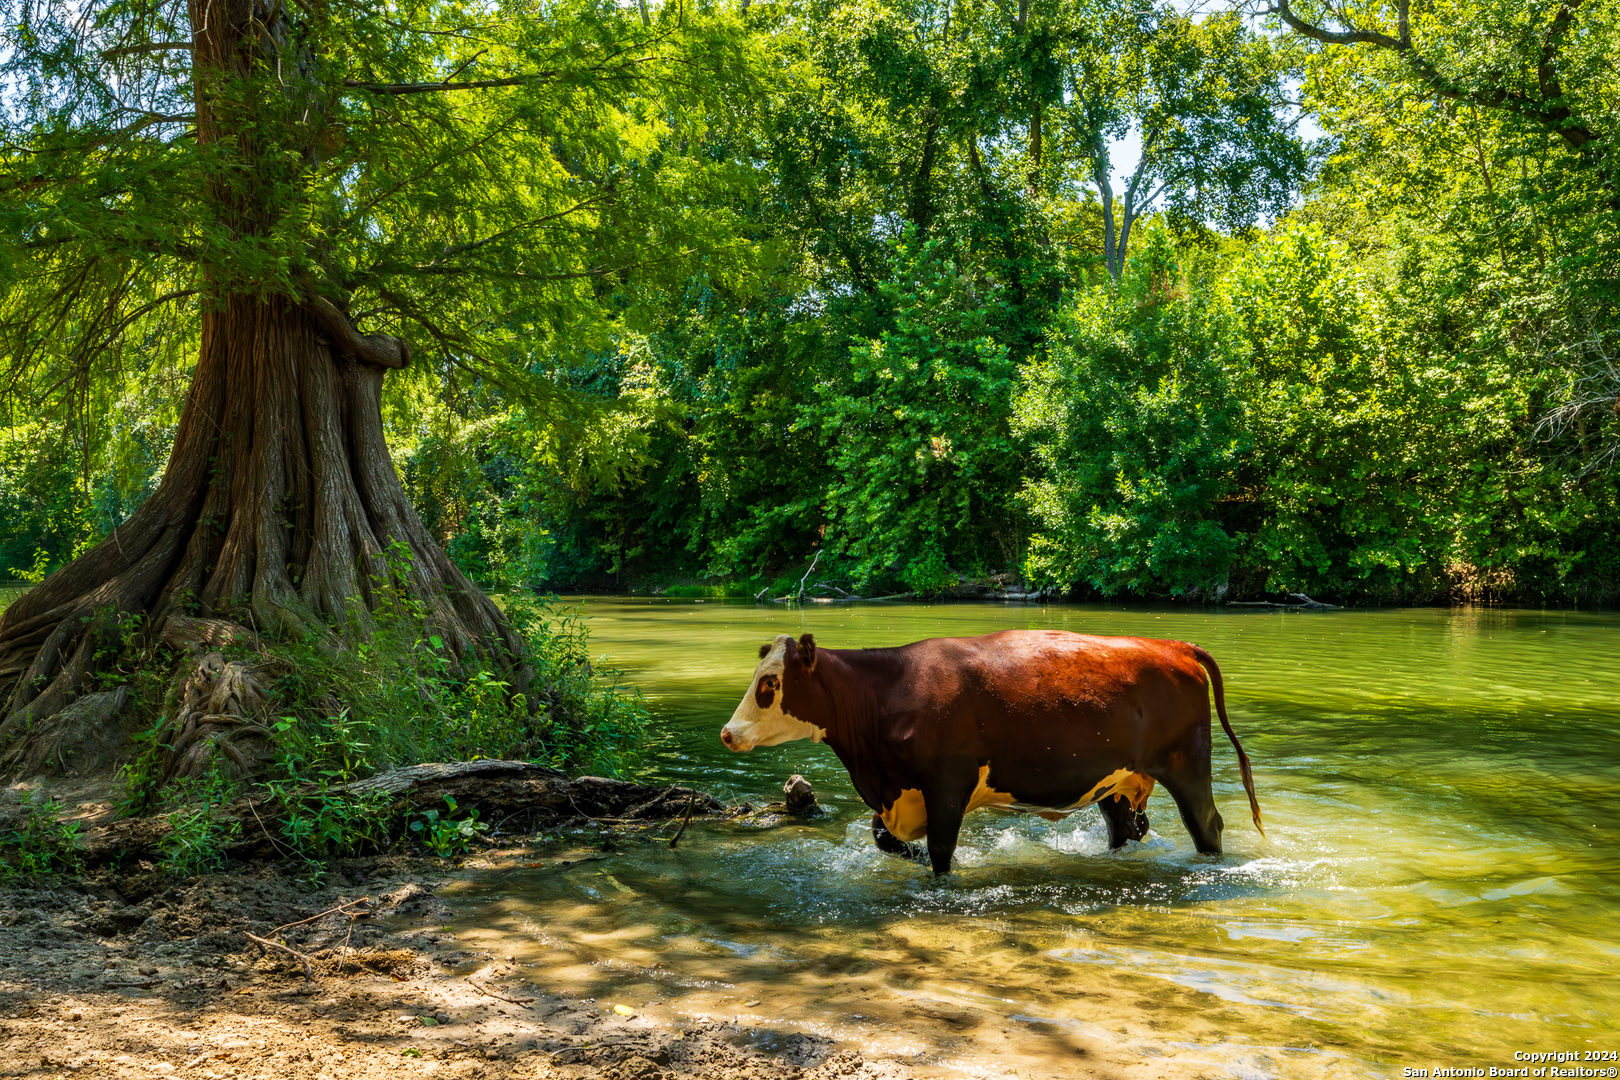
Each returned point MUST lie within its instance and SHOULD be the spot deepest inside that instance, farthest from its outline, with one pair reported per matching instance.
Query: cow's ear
(764, 651)
(807, 651)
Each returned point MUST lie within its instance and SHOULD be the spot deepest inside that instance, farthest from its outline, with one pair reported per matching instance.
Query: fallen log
(518, 794)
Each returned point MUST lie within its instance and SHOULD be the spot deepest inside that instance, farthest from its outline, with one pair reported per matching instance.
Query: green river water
(1440, 885)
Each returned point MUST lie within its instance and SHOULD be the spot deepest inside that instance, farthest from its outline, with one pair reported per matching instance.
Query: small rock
(799, 795)
(148, 970)
(73, 1017)
(492, 1054)
(407, 1018)
(750, 1004)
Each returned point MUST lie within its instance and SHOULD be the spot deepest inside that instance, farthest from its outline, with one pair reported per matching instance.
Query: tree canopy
(694, 293)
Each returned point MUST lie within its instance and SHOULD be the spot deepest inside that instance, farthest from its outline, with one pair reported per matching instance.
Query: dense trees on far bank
(932, 318)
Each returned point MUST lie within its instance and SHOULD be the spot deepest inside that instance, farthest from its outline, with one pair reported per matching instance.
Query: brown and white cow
(1039, 721)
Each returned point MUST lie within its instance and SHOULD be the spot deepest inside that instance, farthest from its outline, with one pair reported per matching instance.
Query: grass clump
(43, 844)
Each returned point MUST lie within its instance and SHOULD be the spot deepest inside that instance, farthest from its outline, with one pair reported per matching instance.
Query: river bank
(137, 976)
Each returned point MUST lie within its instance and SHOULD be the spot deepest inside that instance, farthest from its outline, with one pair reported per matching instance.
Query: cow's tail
(1214, 670)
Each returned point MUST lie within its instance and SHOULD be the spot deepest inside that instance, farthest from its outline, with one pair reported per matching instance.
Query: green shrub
(445, 836)
(737, 590)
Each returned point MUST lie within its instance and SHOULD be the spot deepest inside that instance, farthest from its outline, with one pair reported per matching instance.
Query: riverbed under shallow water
(1440, 885)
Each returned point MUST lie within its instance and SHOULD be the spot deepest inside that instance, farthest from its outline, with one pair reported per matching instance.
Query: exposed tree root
(222, 717)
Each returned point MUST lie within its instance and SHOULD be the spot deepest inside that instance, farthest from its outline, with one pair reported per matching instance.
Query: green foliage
(732, 591)
(45, 843)
(197, 838)
(874, 285)
(1135, 418)
(443, 835)
(916, 431)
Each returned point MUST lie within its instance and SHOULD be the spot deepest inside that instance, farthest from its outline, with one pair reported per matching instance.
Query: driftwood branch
(685, 821)
(536, 796)
(807, 574)
(309, 972)
(1305, 603)
(343, 908)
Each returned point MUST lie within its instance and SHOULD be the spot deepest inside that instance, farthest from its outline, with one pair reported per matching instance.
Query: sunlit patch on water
(1440, 883)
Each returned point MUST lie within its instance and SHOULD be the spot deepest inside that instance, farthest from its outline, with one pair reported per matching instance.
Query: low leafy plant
(197, 838)
(442, 834)
(45, 843)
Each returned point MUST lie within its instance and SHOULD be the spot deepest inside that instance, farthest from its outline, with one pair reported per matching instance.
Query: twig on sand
(497, 997)
(691, 800)
(309, 972)
(343, 907)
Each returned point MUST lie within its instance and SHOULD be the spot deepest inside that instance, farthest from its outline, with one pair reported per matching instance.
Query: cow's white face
(761, 720)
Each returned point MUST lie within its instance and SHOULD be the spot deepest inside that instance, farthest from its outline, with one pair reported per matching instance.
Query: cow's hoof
(888, 843)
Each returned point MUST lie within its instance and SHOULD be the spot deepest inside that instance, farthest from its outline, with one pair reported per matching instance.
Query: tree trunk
(280, 510)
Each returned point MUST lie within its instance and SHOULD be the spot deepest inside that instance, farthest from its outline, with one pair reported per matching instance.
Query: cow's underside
(1126, 821)
(907, 819)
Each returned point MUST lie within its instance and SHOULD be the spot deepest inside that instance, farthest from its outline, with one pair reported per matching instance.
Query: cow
(1037, 721)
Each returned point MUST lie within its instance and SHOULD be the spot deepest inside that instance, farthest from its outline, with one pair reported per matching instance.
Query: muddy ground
(141, 976)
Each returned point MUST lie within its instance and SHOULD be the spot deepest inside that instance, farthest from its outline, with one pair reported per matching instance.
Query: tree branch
(378, 350)
(439, 87)
(149, 47)
(1547, 111)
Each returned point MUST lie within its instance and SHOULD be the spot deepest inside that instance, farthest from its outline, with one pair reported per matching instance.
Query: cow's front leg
(946, 791)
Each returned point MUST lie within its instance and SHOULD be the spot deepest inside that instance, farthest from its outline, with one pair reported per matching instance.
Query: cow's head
(765, 717)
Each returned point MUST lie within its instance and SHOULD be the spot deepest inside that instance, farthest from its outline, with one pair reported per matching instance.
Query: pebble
(148, 970)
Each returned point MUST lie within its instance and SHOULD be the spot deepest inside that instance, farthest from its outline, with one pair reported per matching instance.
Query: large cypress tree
(323, 191)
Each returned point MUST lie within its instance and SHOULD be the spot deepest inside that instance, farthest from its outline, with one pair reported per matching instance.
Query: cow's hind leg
(888, 843)
(1124, 822)
(1196, 801)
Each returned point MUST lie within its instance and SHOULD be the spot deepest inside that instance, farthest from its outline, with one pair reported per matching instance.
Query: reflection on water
(1440, 885)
